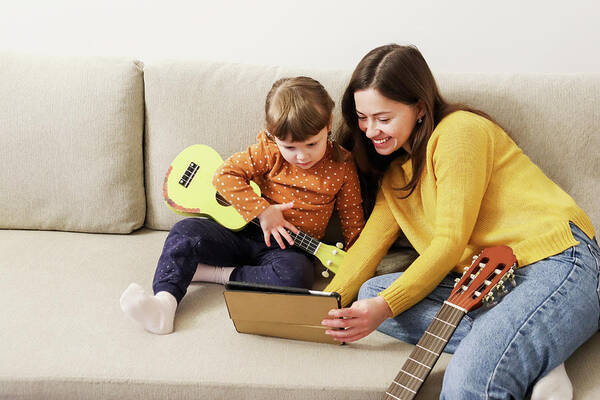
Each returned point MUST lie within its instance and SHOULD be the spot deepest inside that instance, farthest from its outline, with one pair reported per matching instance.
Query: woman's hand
(273, 223)
(362, 318)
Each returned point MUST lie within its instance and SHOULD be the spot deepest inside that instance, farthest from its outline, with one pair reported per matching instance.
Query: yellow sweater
(477, 190)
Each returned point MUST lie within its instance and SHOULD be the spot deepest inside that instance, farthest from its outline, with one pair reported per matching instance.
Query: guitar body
(188, 191)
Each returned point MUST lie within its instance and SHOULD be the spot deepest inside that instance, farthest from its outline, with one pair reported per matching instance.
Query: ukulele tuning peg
(325, 274)
(339, 245)
(456, 281)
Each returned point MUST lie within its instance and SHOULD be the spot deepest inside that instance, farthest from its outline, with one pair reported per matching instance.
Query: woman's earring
(419, 120)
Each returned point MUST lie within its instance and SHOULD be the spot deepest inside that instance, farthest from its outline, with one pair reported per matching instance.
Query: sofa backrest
(554, 118)
(71, 143)
(217, 104)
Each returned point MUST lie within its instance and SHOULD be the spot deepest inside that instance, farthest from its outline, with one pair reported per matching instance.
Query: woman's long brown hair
(399, 73)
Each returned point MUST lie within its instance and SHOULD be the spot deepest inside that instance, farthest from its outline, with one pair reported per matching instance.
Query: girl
(453, 182)
(301, 174)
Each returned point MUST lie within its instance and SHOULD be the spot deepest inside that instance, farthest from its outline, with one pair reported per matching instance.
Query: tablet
(291, 313)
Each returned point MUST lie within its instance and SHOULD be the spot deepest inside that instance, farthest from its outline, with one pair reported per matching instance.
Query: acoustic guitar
(188, 191)
(480, 283)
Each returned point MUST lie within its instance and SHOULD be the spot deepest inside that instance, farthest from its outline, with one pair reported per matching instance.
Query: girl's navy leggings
(201, 240)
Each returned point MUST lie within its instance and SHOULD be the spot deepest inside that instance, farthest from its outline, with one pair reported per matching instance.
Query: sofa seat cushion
(71, 143)
(63, 335)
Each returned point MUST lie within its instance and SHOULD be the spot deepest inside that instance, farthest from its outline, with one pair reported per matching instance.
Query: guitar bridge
(189, 174)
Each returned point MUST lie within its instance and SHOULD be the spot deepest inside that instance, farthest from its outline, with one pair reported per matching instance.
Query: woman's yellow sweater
(477, 190)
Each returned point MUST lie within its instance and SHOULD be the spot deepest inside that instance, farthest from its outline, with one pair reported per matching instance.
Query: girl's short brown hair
(300, 107)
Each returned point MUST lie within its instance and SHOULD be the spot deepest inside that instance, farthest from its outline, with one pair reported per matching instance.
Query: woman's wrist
(384, 307)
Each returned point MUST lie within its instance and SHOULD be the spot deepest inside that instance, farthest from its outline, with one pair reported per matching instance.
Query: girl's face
(388, 123)
(307, 153)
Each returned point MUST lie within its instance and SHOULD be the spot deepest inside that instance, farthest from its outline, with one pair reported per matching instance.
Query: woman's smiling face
(388, 123)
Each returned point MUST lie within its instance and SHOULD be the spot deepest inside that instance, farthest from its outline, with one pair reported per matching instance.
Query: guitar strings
(426, 353)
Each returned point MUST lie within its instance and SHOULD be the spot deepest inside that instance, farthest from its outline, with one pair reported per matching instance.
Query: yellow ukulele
(188, 190)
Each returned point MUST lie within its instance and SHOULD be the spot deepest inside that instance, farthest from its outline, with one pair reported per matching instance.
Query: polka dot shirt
(314, 191)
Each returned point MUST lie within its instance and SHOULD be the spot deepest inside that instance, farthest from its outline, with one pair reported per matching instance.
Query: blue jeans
(500, 352)
(200, 240)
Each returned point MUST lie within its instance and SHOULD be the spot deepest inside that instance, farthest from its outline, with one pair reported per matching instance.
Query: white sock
(553, 386)
(208, 273)
(154, 313)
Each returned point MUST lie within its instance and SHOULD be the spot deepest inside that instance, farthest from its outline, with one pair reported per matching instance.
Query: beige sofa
(84, 146)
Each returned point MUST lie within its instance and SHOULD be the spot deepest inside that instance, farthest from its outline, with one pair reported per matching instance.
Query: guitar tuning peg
(500, 288)
(325, 274)
(510, 275)
(456, 281)
(489, 299)
(339, 245)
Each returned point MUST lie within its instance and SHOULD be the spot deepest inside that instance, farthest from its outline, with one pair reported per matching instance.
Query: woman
(453, 182)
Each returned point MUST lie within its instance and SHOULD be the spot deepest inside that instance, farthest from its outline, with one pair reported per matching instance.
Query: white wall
(455, 36)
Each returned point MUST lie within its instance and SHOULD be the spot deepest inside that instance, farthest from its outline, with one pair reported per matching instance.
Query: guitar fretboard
(425, 354)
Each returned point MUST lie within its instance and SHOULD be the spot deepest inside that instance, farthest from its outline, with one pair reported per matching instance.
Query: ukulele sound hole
(221, 200)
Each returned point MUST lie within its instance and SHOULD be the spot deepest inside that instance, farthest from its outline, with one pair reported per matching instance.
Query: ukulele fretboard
(302, 240)
(425, 354)
(305, 242)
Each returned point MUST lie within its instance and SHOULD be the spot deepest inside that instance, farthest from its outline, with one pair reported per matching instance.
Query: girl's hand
(273, 223)
(362, 318)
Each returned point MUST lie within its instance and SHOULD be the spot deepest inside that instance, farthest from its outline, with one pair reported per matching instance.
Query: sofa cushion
(64, 336)
(553, 118)
(71, 143)
(217, 104)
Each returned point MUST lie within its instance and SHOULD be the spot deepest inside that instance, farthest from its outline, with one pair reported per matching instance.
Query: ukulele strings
(311, 246)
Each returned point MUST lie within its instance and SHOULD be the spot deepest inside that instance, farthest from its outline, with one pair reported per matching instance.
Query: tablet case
(293, 315)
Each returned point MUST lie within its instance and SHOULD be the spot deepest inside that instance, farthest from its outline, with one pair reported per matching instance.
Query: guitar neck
(425, 354)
